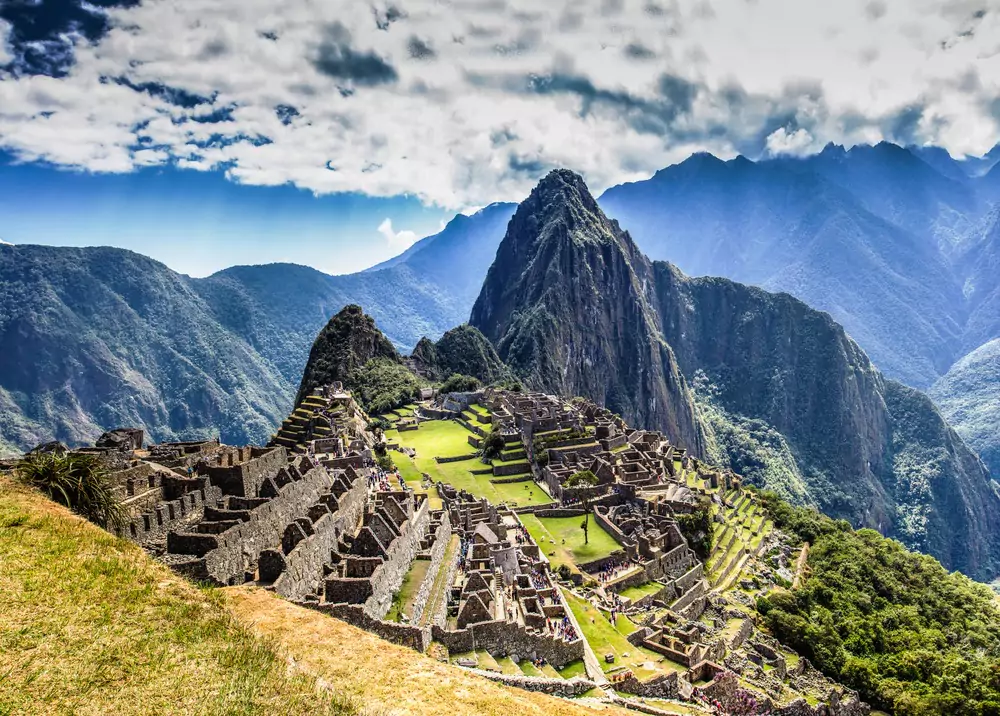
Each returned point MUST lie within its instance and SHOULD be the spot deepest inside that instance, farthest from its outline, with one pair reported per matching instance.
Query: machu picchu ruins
(564, 564)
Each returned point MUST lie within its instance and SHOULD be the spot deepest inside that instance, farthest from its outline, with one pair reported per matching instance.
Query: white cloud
(398, 241)
(796, 143)
(463, 104)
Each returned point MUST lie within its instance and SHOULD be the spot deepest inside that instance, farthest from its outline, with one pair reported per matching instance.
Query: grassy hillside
(92, 625)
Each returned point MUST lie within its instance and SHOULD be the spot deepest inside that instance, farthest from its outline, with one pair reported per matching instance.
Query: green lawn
(640, 591)
(551, 532)
(605, 639)
(573, 668)
(445, 438)
(434, 438)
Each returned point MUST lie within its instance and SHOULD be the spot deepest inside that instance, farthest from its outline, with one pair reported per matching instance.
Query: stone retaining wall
(515, 468)
(560, 512)
(399, 557)
(510, 639)
(567, 688)
(512, 480)
(246, 478)
(455, 458)
(416, 638)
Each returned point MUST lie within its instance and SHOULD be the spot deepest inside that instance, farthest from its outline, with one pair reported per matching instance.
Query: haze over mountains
(899, 245)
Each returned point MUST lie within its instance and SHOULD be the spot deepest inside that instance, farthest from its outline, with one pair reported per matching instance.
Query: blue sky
(200, 222)
(212, 132)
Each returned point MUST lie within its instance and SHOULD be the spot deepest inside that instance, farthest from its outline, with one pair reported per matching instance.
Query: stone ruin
(312, 518)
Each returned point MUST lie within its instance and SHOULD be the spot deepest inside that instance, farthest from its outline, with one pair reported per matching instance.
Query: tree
(458, 383)
(585, 526)
(493, 445)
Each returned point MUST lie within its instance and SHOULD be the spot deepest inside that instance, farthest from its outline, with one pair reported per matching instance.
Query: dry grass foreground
(386, 678)
(90, 624)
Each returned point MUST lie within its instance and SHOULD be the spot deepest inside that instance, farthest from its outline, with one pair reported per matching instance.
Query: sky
(207, 133)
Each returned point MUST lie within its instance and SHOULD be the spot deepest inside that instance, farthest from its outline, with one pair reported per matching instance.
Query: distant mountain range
(97, 338)
(899, 245)
(759, 381)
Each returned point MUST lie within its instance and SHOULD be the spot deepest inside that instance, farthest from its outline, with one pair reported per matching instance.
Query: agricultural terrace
(448, 438)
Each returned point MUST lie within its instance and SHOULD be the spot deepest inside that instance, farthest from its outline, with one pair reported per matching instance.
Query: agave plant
(78, 481)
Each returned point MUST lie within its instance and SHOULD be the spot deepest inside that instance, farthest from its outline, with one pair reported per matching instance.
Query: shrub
(379, 424)
(697, 528)
(78, 481)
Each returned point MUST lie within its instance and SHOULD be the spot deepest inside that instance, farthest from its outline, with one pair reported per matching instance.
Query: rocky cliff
(575, 308)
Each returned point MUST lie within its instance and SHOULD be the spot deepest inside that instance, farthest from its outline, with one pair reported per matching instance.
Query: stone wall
(304, 564)
(507, 638)
(246, 478)
(153, 525)
(455, 458)
(689, 597)
(515, 468)
(226, 557)
(406, 635)
(661, 687)
(560, 512)
(387, 578)
(566, 688)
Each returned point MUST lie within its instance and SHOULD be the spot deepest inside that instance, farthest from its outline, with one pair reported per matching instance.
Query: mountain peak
(563, 186)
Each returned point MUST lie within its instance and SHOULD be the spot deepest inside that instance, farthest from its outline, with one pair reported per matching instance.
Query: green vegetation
(446, 438)
(562, 540)
(405, 596)
(910, 637)
(641, 590)
(466, 351)
(79, 482)
(92, 625)
(749, 447)
(458, 383)
(383, 384)
(697, 528)
(492, 446)
(606, 639)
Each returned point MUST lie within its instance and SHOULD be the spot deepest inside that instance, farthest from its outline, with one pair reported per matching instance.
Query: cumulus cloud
(398, 241)
(462, 104)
